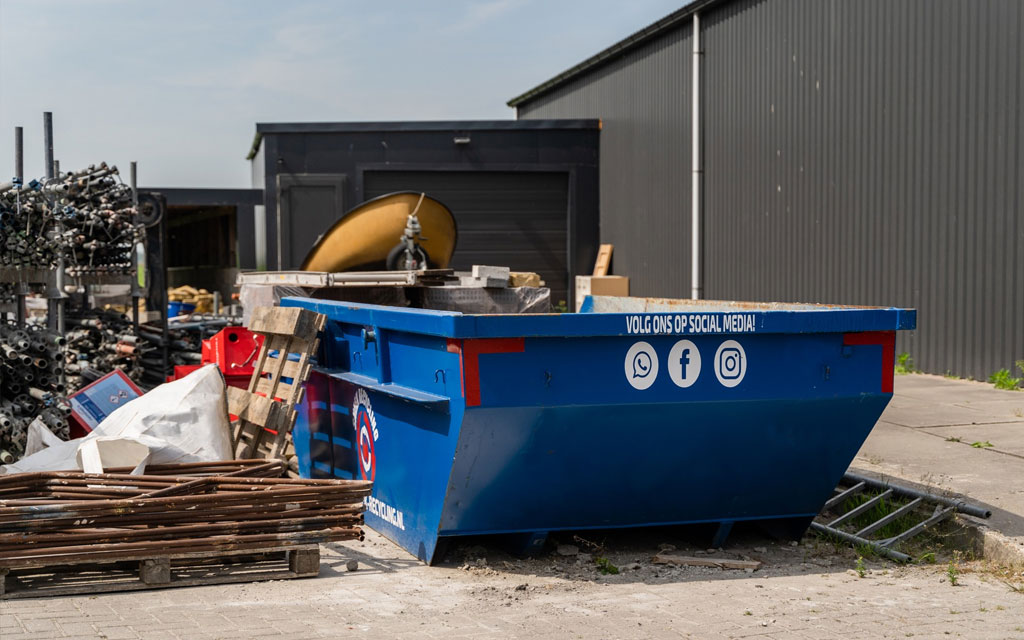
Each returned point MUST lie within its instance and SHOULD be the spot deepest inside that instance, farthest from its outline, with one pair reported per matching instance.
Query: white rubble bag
(181, 421)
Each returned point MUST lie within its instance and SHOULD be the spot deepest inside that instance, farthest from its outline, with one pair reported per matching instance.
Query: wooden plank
(274, 365)
(281, 389)
(258, 367)
(295, 387)
(289, 321)
(293, 369)
(692, 561)
(604, 260)
(258, 410)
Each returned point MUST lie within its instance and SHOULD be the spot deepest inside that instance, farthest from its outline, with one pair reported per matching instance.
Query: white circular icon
(730, 363)
(683, 363)
(641, 365)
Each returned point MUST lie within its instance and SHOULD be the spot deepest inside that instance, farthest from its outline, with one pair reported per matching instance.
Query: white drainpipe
(697, 289)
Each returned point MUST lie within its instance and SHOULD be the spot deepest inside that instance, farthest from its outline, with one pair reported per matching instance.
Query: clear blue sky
(178, 85)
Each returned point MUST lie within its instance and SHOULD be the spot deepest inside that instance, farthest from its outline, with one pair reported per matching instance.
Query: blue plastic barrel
(634, 412)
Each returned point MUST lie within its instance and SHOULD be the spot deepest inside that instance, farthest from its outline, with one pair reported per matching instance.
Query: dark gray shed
(850, 151)
(524, 193)
(209, 235)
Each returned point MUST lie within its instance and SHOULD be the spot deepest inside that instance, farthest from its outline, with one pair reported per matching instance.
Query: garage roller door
(514, 219)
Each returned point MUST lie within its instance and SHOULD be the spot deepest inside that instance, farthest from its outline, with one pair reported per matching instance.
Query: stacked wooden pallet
(64, 522)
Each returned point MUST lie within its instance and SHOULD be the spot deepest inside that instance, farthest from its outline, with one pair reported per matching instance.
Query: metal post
(696, 287)
(136, 285)
(48, 143)
(55, 310)
(21, 289)
(19, 154)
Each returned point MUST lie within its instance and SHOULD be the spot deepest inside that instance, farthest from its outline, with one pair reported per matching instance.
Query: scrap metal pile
(100, 341)
(31, 384)
(66, 517)
(84, 220)
(184, 344)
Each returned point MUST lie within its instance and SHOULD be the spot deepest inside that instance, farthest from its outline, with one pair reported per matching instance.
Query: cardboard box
(600, 286)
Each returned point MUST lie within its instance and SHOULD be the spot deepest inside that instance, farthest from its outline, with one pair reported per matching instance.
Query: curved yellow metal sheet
(362, 238)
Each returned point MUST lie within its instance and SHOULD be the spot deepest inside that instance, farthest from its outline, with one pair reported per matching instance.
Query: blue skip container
(633, 412)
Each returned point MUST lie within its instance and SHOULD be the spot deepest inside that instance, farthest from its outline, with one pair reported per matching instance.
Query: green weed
(1003, 379)
(859, 567)
(904, 364)
(953, 439)
(982, 444)
(605, 566)
(953, 569)
(926, 558)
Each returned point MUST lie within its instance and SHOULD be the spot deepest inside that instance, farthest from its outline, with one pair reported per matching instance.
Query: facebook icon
(684, 363)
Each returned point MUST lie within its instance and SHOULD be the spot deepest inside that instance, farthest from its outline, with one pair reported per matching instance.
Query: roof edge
(617, 50)
(263, 128)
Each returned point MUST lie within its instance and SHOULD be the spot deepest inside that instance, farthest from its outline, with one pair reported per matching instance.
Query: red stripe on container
(887, 339)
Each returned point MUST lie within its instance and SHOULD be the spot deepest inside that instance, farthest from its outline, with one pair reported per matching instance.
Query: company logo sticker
(683, 363)
(730, 363)
(366, 434)
(641, 365)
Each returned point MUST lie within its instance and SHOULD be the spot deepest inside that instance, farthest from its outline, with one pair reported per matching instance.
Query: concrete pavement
(957, 436)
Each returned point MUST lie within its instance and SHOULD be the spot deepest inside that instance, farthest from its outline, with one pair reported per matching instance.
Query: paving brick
(40, 625)
(76, 628)
(116, 633)
(154, 634)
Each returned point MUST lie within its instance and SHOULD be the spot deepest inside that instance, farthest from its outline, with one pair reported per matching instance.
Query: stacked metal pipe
(184, 343)
(53, 518)
(84, 220)
(98, 342)
(31, 384)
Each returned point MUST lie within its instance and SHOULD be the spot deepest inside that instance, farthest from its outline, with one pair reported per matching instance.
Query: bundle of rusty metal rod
(59, 517)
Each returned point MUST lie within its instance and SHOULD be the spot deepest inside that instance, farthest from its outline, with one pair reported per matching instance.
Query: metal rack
(54, 280)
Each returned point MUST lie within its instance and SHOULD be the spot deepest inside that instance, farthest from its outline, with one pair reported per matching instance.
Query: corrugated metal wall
(645, 138)
(861, 152)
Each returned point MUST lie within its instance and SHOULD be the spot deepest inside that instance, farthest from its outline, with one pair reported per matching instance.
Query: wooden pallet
(161, 572)
(266, 410)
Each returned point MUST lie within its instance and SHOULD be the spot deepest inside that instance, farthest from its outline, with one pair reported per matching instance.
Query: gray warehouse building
(845, 151)
(524, 193)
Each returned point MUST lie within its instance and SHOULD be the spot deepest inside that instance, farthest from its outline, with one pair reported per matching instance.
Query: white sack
(39, 437)
(182, 421)
(98, 454)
